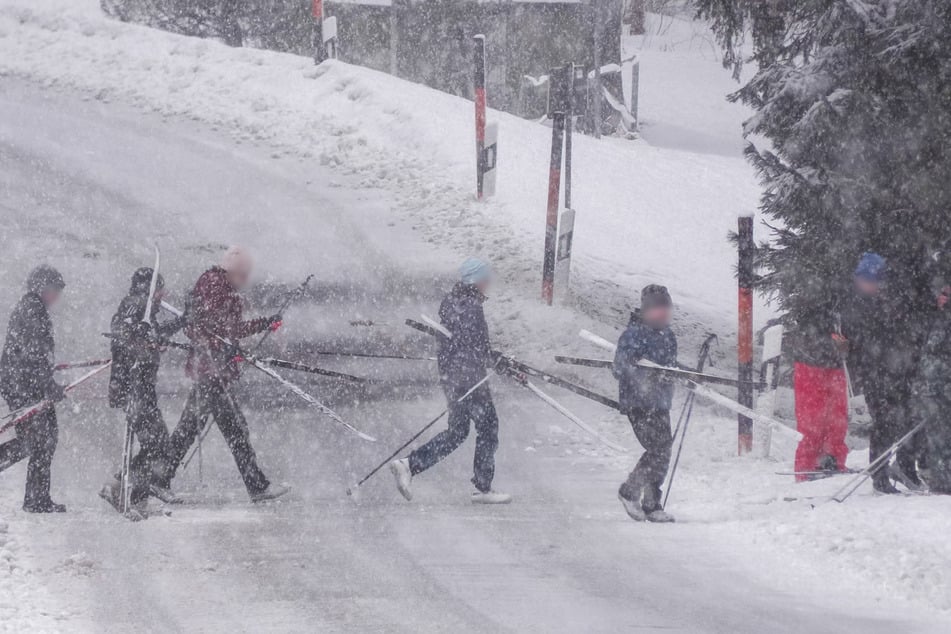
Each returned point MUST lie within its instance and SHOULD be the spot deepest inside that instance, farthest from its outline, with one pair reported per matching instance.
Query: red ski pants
(822, 416)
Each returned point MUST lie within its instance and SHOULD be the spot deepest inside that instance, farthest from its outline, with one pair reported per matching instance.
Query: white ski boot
(404, 477)
(660, 516)
(271, 493)
(633, 508)
(490, 497)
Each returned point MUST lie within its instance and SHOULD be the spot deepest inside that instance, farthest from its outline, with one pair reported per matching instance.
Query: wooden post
(744, 350)
(479, 84)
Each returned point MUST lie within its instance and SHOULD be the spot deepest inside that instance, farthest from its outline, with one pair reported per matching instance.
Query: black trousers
(652, 428)
(213, 398)
(148, 465)
(36, 440)
(891, 419)
(480, 410)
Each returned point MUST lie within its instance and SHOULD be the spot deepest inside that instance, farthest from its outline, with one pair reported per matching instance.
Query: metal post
(744, 350)
(569, 127)
(596, 104)
(394, 40)
(320, 51)
(479, 84)
(635, 89)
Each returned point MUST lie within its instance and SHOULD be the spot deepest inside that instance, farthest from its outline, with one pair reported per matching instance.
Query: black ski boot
(882, 484)
(44, 506)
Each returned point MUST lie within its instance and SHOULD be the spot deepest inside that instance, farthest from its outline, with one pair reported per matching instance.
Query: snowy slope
(123, 135)
(648, 212)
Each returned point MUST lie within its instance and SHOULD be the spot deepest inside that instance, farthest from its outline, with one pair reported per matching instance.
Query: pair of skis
(690, 380)
(521, 373)
(262, 365)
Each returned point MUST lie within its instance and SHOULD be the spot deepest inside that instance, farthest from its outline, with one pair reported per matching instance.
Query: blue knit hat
(871, 268)
(474, 271)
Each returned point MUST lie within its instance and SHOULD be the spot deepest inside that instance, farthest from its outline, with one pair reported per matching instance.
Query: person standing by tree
(819, 383)
(26, 377)
(881, 335)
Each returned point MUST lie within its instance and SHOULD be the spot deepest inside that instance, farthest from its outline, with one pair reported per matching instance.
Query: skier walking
(214, 323)
(463, 360)
(137, 347)
(882, 334)
(26, 377)
(646, 397)
(822, 409)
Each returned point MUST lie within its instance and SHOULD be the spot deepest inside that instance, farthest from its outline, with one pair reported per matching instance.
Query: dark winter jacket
(463, 359)
(215, 308)
(26, 365)
(809, 336)
(934, 365)
(136, 351)
(885, 339)
(640, 388)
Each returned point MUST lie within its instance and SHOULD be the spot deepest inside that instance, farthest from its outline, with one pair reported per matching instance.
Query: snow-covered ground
(113, 135)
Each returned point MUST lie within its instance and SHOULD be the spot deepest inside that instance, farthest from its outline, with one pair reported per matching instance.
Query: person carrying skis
(882, 337)
(645, 397)
(26, 378)
(463, 360)
(137, 347)
(819, 385)
(215, 325)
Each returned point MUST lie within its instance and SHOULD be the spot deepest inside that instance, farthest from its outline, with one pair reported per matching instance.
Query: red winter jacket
(215, 308)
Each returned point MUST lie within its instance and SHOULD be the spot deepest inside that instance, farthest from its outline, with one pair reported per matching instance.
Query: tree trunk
(228, 25)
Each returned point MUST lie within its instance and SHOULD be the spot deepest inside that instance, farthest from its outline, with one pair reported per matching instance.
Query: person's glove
(142, 330)
(275, 321)
(841, 343)
(56, 392)
(501, 363)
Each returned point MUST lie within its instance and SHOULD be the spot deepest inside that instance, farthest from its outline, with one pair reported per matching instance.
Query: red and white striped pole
(744, 350)
(479, 83)
(320, 51)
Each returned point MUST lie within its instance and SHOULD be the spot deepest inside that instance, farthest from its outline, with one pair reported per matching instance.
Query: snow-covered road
(82, 181)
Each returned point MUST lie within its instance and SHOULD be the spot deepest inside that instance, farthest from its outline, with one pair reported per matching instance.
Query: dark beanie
(654, 295)
(142, 281)
(44, 277)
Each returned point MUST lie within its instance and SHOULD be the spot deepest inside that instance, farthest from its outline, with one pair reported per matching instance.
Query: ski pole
(687, 411)
(28, 412)
(125, 476)
(367, 355)
(81, 364)
(293, 365)
(853, 485)
(406, 444)
(297, 292)
(153, 284)
(196, 448)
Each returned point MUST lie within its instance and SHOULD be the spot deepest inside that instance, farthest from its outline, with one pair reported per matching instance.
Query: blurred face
(484, 286)
(867, 287)
(239, 277)
(50, 296)
(658, 316)
(159, 295)
(944, 296)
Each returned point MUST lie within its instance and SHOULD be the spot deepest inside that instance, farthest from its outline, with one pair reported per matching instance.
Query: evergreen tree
(854, 99)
